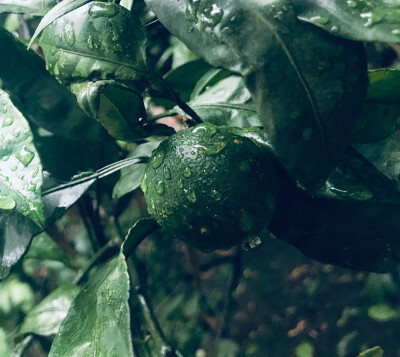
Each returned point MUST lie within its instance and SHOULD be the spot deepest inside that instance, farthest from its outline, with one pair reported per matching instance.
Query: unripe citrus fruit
(210, 186)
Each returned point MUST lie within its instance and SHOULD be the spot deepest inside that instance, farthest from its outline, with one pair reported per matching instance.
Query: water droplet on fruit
(167, 173)
(144, 184)
(160, 187)
(216, 195)
(180, 183)
(14, 168)
(187, 172)
(25, 156)
(158, 159)
(191, 196)
(7, 122)
(7, 203)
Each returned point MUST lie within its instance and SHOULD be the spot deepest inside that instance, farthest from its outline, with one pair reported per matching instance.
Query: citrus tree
(241, 121)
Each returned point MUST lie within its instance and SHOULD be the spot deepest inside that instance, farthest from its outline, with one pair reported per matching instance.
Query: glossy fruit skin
(210, 186)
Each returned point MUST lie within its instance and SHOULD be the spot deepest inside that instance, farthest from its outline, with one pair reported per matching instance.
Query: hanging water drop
(160, 187)
(158, 159)
(187, 172)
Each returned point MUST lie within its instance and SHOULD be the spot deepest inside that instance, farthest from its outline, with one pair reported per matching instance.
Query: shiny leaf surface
(30, 7)
(352, 223)
(39, 96)
(78, 48)
(20, 167)
(381, 107)
(46, 317)
(360, 20)
(98, 320)
(227, 102)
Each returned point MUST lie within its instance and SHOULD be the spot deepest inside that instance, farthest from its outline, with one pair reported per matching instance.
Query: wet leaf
(353, 222)
(373, 20)
(184, 78)
(39, 96)
(132, 175)
(30, 7)
(381, 107)
(46, 317)
(384, 154)
(56, 12)
(21, 170)
(265, 43)
(84, 44)
(44, 248)
(227, 102)
(98, 321)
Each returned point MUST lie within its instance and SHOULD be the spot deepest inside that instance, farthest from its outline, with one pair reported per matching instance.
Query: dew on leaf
(167, 173)
(7, 122)
(7, 203)
(69, 35)
(191, 196)
(25, 156)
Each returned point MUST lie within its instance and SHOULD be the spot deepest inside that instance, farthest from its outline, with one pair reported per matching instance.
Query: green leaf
(372, 352)
(286, 65)
(228, 102)
(56, 12)
(77, 47)
(381, 107)
(384, 154)
(383, 313)
(98, 321)
(30, 7)
(132, 175)
(44, 248)
(352, 222)
(15, 296)
(39, 96)
(46, 317)
(21, 171)
(374, 20)
(184, 78)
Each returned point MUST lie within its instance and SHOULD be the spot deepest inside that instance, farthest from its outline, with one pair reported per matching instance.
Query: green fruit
(210, 186)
